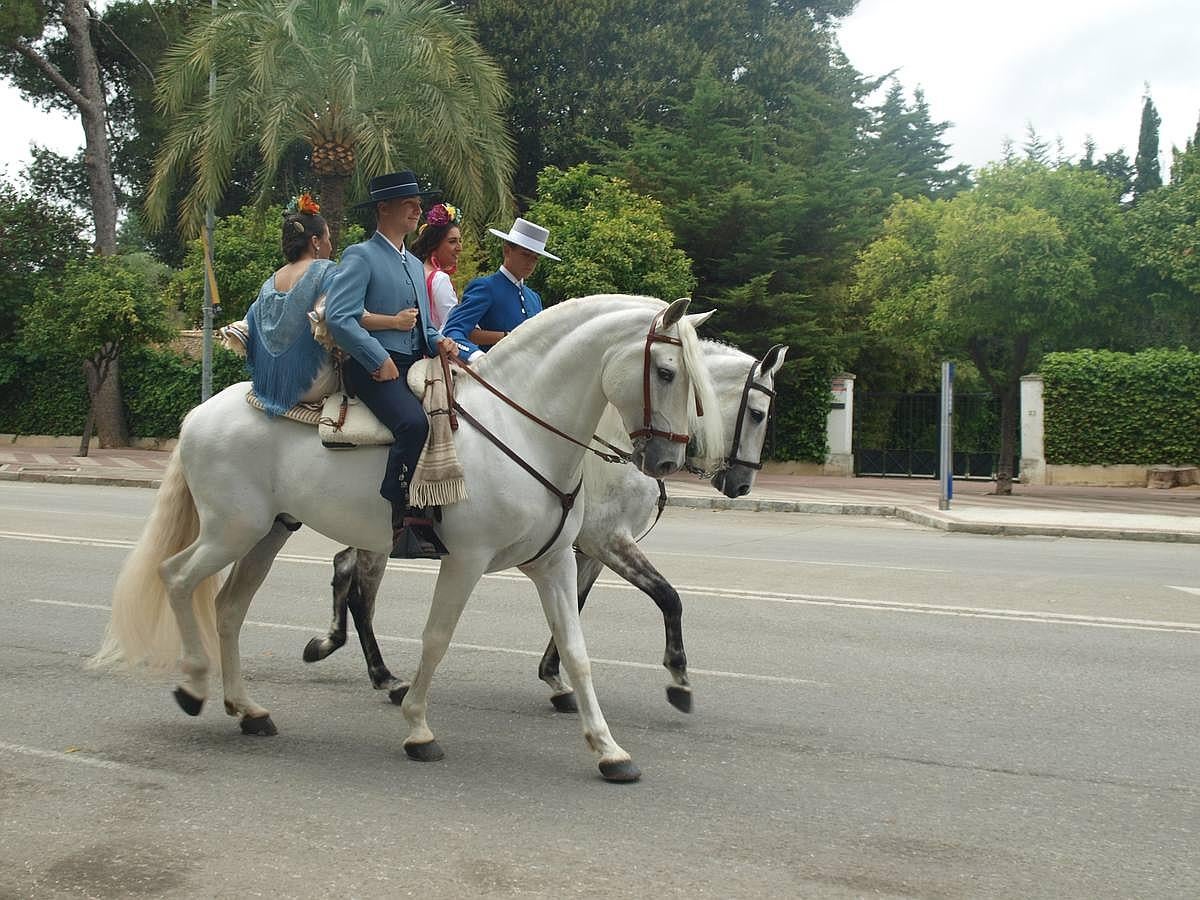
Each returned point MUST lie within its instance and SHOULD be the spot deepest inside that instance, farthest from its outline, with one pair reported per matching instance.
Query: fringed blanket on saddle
(344, 422)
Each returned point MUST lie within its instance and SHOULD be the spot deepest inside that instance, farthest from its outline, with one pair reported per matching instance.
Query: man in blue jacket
(498, 303)
(377, 310)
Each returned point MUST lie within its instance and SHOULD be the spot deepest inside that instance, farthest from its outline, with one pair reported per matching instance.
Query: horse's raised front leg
(456, 579)
(368, 574)
(625, 558)
(233, 601)
(343, 581)
(554, 575)
(562, 696)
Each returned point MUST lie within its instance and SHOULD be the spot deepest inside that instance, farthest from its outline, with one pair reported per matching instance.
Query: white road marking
(485, 648)
(807, 562)
(1186, 590)
(706, 592)
(79, 757)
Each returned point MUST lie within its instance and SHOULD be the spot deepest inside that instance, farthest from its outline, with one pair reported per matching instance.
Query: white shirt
(442, 297)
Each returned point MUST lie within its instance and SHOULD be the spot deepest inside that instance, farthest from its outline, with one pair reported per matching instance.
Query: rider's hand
(406, 318)
(448, 346)
(386, 372)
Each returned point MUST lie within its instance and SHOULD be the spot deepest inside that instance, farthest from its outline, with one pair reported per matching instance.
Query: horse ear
(773, 360)
(698, 319)
(674, 312)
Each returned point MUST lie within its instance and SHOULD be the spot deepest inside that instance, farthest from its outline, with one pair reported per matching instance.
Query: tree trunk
(109, 410)
(1009, 398)
(333, 207)
(97, 158)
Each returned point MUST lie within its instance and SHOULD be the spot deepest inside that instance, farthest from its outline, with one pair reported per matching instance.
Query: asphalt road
(881, 711)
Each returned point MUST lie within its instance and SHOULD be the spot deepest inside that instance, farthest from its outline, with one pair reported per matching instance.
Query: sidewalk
(1117, 513)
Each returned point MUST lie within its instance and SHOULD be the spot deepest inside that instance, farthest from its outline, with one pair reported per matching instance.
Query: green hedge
(158, 387)
(801, 409)
(1106, 408)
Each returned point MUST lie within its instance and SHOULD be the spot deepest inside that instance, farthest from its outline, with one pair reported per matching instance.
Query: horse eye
(666, 374)
(757, 415)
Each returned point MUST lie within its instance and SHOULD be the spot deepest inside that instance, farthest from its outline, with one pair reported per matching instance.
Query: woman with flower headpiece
(438, 245)
(286, 363)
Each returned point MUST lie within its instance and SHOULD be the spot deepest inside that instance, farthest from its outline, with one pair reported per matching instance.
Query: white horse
(239, 482)
(622, 503)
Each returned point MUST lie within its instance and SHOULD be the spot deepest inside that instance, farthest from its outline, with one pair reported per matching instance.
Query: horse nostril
(665, 468)
(743, 490)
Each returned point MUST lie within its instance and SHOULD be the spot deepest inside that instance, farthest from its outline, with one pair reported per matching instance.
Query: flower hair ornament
(305, 204)
(442, 214)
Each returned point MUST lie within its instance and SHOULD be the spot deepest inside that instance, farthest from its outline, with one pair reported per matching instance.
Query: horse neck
(553, 366)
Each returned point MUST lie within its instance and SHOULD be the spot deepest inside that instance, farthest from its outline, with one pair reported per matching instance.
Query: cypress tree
(1145, 164)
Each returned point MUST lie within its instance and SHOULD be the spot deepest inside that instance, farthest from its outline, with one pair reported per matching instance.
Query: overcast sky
(1071, 67)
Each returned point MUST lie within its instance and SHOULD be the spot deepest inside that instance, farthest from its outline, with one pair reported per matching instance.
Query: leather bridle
(751, 385)
(652, 337)
(566, 500)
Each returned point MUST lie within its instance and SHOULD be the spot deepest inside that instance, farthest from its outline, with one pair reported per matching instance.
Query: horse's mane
(718, 355)
(708, 430)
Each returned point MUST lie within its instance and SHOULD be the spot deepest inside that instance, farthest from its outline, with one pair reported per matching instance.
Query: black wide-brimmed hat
(393, 186)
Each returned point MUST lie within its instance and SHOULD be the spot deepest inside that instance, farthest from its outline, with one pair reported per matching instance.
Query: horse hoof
(259, 725)
(680, 697)
(623, 771)
(187, 702)
(429, 751)
(312, 651)
(565, 702)
(398, 693)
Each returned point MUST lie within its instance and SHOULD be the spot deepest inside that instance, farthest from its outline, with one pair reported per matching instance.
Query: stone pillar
(839, 426)
(1033, 432)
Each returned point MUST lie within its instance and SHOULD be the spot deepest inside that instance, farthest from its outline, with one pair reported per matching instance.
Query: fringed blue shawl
(282, 356)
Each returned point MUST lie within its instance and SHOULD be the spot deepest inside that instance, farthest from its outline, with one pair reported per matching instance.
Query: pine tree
(1148, 177)
(1117, 167)
(1036, 149)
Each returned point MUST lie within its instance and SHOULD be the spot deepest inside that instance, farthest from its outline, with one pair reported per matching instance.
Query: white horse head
(746, 389)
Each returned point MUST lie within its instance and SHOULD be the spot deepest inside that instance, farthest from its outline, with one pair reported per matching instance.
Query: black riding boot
(413, 536)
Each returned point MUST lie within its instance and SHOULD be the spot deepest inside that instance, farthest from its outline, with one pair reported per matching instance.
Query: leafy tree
(105, 305)
(1163, 235)
(1116, 167)
(997, 275)
(905, 149)
(23, 32)
(1186, 162)
(365, 86)
(246, 251)
(611, 239)
(1148, 177)
(1035, 147)
(582, 72)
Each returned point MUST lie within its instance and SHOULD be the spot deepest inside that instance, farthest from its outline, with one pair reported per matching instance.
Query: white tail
(142, 629)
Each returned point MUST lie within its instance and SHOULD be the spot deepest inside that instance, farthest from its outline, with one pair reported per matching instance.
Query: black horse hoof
(312, 651)
(398, 693)
(426, 752)
(565, 702)
(620, 772)
(187, 702)
(259, 725)
(680, 697)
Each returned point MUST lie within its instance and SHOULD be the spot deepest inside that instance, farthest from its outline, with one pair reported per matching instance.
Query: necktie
(521, 295)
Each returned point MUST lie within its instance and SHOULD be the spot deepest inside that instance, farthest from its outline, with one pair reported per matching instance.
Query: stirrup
(416, 539)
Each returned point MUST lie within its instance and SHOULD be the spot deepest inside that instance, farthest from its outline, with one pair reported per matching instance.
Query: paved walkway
(1087, 512)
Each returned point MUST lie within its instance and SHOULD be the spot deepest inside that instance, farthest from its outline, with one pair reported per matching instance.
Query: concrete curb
(920, 517)
(939, 522)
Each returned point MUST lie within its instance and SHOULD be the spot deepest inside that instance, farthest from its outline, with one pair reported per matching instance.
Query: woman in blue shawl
(287, 365)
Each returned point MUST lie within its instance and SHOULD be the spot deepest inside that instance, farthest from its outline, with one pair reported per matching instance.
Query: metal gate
(897, 435)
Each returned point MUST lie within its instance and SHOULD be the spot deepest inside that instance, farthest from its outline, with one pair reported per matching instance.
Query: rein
(566, 500)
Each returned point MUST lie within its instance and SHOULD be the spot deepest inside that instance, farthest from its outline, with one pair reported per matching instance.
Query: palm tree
(369, 85)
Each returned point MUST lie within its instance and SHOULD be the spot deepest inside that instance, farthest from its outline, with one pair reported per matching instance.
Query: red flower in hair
(442, 214)
(307, 205)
